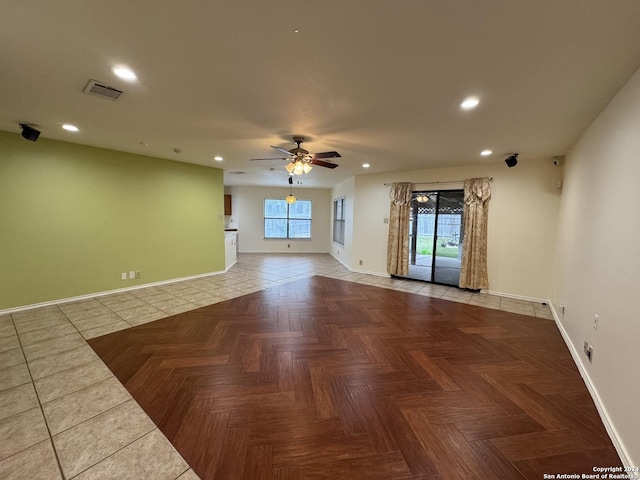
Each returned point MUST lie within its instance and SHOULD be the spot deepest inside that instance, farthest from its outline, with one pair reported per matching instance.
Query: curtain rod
(433, 183)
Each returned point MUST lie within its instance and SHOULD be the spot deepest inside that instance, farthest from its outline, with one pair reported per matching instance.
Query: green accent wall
(73, 218)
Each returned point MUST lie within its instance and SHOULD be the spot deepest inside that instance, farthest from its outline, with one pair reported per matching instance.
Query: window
(283, 220)
(338, 220)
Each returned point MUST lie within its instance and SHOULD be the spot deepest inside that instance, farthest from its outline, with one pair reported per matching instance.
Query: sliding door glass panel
(449, 232)
(421, 235)
(435, 236)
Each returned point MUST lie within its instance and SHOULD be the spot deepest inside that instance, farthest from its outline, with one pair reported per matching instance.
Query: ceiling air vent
(101, 90)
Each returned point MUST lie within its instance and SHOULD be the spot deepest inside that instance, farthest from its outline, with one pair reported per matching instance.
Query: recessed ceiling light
(297, 30)
(218, 158)
(486, 153)
(125, 73)
(469, 103)
(70, 128)
(365, 165)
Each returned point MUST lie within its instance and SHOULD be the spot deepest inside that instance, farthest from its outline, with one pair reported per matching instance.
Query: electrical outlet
(562, 309)
(137, 274)
(123, 276)
(588, 351)
(132, 274)
(596, 320)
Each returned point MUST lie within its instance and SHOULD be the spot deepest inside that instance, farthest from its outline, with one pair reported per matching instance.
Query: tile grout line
(46, 422)
(40, 404)
(155, 427)
(33, 384)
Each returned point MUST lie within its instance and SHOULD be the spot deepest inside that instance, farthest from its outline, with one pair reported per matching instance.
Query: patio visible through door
(435, 236)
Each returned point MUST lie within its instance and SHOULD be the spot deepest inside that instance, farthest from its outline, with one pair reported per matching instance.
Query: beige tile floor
(64, 415)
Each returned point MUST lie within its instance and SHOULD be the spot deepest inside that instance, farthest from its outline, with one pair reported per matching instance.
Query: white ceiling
(379, 81)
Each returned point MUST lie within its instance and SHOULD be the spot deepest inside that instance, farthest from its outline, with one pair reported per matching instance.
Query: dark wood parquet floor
(327, 379)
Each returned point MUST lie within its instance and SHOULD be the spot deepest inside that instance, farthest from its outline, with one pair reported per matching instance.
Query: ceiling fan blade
(286, 152)
(273, 158)
(325, 155)
(320, 163)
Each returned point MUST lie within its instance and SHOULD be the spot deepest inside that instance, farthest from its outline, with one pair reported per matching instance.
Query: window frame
(288, 219)
(339, 239)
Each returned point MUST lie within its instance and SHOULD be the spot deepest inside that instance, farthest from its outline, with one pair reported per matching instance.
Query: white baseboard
(107, 292)
(339, 260)
(516, 297)
(286, 252)
(357, 270)
(366, 272)
(606, 420)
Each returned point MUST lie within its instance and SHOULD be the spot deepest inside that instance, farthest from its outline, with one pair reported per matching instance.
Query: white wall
(343, 252)
(248, 218)
(598, 260)
(522, 221)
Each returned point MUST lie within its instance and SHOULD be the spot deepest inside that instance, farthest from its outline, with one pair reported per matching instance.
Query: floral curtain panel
(473, 269)
(398, 242)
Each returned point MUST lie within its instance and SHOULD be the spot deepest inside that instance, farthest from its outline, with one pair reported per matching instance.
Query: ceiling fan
(300, 160)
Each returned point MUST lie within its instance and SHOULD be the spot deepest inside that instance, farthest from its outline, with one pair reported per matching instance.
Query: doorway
(435, 236)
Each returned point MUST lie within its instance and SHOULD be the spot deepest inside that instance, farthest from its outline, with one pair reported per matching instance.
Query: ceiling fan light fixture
(298, 167)
(300, 161)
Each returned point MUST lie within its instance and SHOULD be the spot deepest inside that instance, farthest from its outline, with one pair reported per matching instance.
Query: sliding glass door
(435, 236)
